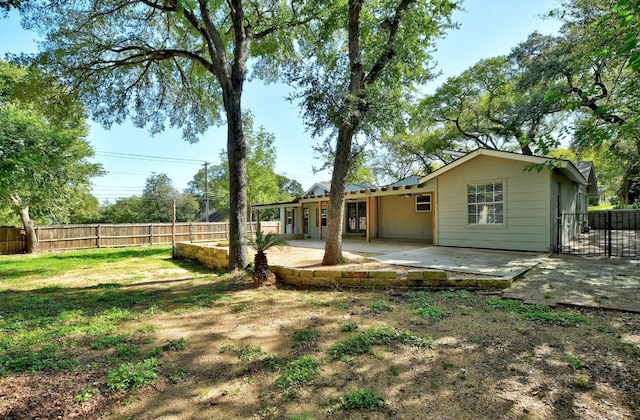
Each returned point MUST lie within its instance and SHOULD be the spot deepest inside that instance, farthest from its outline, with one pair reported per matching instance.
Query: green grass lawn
(600, 207)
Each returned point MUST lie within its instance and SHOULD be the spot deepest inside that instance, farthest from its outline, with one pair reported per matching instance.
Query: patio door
(357, 217)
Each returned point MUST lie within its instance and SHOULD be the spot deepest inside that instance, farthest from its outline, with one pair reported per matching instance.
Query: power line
(149, 157)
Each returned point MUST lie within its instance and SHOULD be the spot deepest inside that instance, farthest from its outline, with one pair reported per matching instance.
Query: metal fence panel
(613, 233)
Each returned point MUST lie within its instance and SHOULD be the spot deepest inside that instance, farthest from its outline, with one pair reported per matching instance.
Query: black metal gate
(613, 233)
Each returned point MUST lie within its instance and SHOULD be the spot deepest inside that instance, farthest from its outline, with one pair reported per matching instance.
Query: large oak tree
(176, 61)
(360, 68)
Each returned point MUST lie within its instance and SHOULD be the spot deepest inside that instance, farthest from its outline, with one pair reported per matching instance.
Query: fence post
(98, 237)
(151, 234)
(608, 234)
(191, 233)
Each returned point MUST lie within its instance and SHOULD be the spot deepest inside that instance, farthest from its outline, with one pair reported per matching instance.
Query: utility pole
(206, 190)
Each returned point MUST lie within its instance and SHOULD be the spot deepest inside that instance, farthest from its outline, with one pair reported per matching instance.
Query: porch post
(433, 218)
(368, 211)
(302, 218)
(320, 219)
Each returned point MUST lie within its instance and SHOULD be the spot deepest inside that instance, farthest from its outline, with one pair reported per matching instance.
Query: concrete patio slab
(604, 283)
(506, 264)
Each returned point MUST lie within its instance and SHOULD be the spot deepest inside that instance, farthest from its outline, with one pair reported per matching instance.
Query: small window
(485, 203)
(423, 202)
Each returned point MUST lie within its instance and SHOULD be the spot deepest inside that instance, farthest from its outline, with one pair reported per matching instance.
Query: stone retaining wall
(414, 278)
(214, 256)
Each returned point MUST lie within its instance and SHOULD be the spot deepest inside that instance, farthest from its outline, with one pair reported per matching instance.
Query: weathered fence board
(62, 237)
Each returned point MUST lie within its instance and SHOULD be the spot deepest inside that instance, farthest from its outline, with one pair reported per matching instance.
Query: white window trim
(503, 202)
(430, 203)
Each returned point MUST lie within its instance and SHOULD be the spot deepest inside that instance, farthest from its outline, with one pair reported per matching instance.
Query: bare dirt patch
(485, 361)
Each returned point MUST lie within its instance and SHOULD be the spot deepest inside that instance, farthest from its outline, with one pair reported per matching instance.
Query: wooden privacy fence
(62, 237)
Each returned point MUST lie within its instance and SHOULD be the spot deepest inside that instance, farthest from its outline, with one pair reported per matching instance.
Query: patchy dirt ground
(487, 361)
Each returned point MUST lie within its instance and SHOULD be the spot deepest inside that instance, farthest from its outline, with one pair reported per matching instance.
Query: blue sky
(488, 28)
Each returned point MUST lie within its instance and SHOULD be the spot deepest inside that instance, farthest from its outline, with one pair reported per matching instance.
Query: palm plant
(260, 243)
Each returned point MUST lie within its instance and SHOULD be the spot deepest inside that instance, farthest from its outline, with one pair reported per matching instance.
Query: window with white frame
(423, 202)
(485, 203)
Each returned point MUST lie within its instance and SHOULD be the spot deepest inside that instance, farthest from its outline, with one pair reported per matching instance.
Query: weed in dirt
(85, 395)
(131, 376)
(423, 306)
(361, 343)
(28, 360)
(574, 362)
(107, 341)
(583, 383)
(540, 313)
(303, 416)
(348, 327)
(337, 304)
(297, 374)
(243, 307)
(229, 347)
(362, 399)
(380, 306)
(251, 353)
(305, 338)
(203, 299)
(549, 296)
(178, 373)
(453, 294)
(155, 352)
(177, 344)
(125, 351)
(394, 370)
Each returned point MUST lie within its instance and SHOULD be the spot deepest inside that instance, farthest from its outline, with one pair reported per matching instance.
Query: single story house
(485, 199)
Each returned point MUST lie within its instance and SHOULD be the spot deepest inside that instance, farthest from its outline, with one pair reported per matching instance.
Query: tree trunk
(352, 116)
(33, 245)
(237, 155)
(335, 213)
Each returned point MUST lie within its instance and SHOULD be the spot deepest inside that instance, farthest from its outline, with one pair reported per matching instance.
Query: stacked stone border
(213, 256)
(384, 278)
(216, 257)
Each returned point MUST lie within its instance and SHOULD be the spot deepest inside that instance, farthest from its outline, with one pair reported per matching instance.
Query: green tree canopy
(357, 71)
(178, 62)
(44, 156)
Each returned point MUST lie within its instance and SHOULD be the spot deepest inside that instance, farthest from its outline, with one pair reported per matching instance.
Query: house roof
(588, 171)
(410, 185)
(410, 180)
(564, 166)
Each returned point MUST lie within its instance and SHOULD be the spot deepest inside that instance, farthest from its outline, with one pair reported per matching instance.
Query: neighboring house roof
(317, 186)
(410, 180)
(564, 166)
(588, 171)
(215, 216)
(322, 188)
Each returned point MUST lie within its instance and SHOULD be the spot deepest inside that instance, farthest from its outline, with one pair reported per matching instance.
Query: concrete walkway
(612, 283)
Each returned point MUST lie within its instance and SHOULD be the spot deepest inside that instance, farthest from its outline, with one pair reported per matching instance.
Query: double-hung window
(485, 203)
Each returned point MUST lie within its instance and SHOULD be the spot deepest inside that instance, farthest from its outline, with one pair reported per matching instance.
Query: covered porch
(399, 212)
